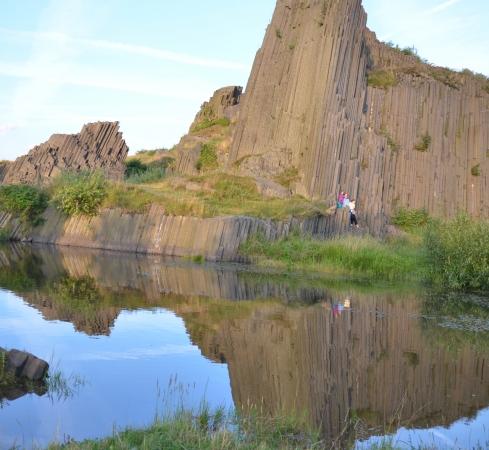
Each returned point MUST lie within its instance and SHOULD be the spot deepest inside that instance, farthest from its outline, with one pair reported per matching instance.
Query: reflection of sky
(125, 371)
(460, 435)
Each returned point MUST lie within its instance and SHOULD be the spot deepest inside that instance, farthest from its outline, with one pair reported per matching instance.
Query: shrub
(457, 251)
(79, 193)
(476, 170)
(152, 175)
(4, 234)
(424, 144)
(28, 202)
(278, 33)
(134, 167)
(408, 219)
(207, 159)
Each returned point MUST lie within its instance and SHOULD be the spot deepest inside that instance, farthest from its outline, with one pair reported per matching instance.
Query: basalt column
(306, 95)
(313, 106)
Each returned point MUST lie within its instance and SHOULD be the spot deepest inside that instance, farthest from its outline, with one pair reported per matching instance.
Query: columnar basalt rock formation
(224, 104)
(98, 145)
(156, 232)
(423, 141)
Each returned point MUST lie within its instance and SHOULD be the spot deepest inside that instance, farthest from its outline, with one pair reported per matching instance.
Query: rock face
(155, 232)
(98, 145)
(422, 141)
(224, 104)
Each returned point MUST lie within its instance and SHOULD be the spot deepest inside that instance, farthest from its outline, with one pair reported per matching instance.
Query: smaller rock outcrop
(98, 145)
(214, 125)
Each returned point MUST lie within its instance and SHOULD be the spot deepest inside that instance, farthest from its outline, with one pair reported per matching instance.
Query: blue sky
(150, 64)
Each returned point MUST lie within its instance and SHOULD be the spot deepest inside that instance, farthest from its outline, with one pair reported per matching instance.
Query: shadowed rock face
(307, 106)
(98, 145)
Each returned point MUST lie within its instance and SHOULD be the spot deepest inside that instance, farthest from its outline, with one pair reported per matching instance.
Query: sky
(151, 64)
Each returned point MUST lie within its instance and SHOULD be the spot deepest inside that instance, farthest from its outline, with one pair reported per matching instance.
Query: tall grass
(362, 256)
(203, 428)
(457, 252)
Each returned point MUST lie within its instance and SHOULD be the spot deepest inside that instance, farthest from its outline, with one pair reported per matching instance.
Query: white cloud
(128, 48)
(7, 128)
(440, 7)
(37, 90)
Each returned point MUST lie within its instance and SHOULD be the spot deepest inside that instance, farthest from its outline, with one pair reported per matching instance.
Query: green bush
(28, 202)
(151, 175)
(79, 193)
(408, 219)
(457, 251)
(476, 170)
(4, 234)
(207, 159)
(135, 167)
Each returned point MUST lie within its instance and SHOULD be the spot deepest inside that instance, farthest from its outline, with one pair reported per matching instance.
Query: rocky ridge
(98, 145)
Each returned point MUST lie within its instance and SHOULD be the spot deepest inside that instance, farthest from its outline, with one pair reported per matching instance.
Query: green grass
(400, 259)
(132, 199)
(382, 79)
(222, 121)
(458, 252)
(207, 159)
(228, 194)
(202, 428)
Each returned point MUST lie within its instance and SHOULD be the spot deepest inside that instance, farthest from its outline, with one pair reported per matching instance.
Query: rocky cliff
(313, 104)
(98, 145)
(213, 125)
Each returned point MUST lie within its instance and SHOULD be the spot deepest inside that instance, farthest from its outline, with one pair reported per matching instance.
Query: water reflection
(391, 359)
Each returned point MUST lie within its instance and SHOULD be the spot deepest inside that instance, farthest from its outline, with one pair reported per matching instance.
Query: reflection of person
(335, 310)
(346, 303)
(346, 201)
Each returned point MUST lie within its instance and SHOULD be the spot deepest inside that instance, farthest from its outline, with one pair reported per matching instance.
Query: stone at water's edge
(24, 365)
(98, 146)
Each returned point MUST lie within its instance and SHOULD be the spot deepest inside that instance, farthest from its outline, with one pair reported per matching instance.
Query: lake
(135, 335)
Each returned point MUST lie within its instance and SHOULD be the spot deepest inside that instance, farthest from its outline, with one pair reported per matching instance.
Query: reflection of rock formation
(94, 321)
(97, 145)
(285, 347)
(361, 361)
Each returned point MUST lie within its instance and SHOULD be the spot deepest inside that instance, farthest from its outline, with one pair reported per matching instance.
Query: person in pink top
(341, 197)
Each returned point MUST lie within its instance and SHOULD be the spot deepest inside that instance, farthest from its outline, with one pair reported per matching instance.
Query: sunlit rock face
(98, 145)
(308, 105)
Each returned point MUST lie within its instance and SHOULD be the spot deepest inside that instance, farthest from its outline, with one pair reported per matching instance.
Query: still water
(135, 335)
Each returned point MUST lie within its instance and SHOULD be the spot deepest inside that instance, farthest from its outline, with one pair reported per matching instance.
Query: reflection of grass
(56, 385)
